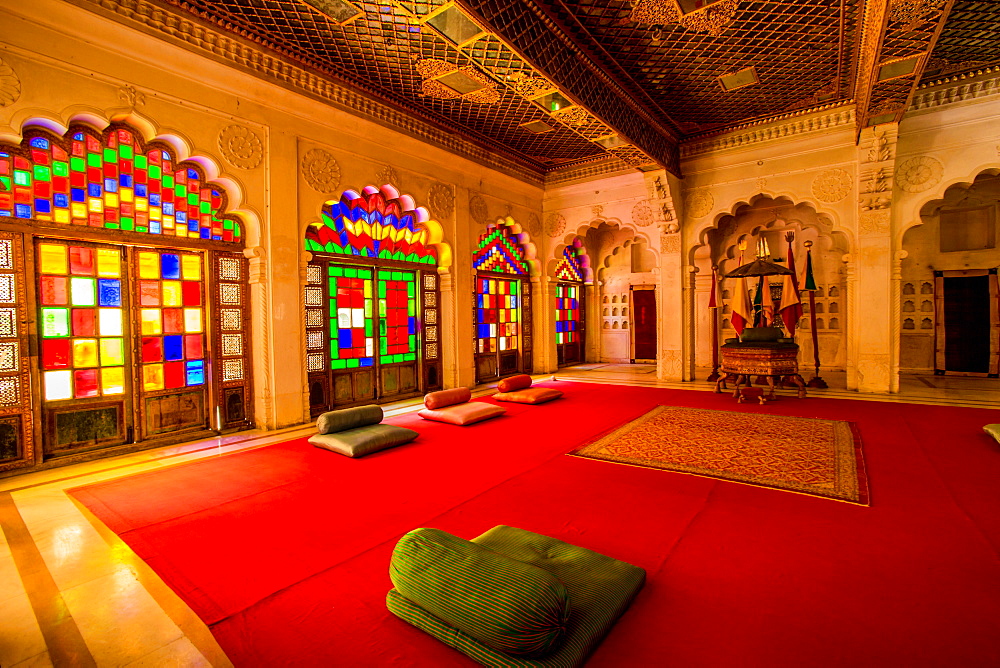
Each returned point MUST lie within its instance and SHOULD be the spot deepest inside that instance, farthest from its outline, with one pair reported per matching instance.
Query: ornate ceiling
(551, 83)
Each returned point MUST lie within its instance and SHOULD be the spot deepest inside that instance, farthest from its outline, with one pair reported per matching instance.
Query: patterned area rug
(805, 455)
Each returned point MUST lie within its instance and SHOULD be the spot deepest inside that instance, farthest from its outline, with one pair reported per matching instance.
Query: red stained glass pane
(93, 145)
(85, 383)
(149, 293)
(39, 157)
(81, 261)
(193, 348)
(84, 323)
(173, 321)
(192, 293)
(152, 349)
(55, 291)
(59, 154)
(173, 374)
(55, 353)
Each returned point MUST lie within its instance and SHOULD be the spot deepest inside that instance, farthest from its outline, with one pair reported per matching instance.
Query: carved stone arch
(582, 231)
(523, 237)
(183, 147)
(935, 199)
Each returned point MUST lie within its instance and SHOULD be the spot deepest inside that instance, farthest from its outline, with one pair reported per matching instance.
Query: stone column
(674, 303)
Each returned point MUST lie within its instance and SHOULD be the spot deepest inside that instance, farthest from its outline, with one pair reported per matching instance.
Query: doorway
(643, 324)
(968, 331)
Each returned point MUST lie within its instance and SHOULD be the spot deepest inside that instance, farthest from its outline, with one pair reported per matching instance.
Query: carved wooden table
(777, 362)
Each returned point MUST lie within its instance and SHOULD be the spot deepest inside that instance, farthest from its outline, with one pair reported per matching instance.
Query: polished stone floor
(72, 593)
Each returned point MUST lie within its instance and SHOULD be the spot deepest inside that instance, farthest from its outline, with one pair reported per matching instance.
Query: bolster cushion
(993, 430)
(362, 441)
(760, 334)
(519, 382)
(508, 605)
(348, 418)
(458, 395)
(532, 395)
(462, 414)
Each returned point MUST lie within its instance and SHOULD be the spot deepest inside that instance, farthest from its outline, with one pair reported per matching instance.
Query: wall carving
(699, 203)
(642, 213)
(441, 200)
(241, 147)
(798, 126)
(132, 97)
(919, 173)
(387, 175)
(832, 185)
(961, 92)
(874, 370)
(10, 84)
(320, 170)
(534, 225)
(477, 209)
(874, 222)
(670, 243)
(555, 223)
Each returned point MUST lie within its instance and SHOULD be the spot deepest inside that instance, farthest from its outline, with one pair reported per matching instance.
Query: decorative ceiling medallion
(574, 116)
(699, 203)
(442, 200)
(528, 86)
(241, 147)
(642, 213)
(534, 225)
(387, 175)
(917, 174)
(10, 84)
(477, 209)
(446, 81)
(555, 223)
(713, 19)
(911, 12)
(631, 156)
(832, 185)
(320, 170)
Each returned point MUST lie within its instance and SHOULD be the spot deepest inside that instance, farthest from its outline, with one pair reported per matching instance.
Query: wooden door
(968, 328)
(644, 325)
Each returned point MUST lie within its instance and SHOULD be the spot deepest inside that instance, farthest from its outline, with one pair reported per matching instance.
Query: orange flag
(741, 306)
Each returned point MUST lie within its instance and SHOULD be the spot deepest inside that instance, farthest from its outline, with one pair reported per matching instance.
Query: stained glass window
(499, 251)
(497, 314)
(171, 319)
(397, 312)
(571, 265)
(111, 181)
(567, 312)
(82, 338)
(352, 320)
(378, 223)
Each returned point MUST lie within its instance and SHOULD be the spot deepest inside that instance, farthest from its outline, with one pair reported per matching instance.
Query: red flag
(791, 304)
(742, 309)
(712, 302)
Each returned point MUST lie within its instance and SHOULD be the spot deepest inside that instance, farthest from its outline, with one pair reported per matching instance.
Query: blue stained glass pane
(192, 174)
(344, 338)
(6, 212)
(182, 216)
(154, 227)
(513, 301)
(170, 265)
(78, 136)
(367, 361)
(482, 315)
(166, 156)
(196, 372)
(192, 224)
(216, 238)
(413, 326)
(140, 190)
(61, 200)
(206, 233)
(109, 292)
(22, 211)
(560, 327)
(173, 347)
(479, 303)
(43, 206)
(78, 194)
(39, 142)
(111, 185)
(154, 199)
(94, 190)
(168, 208)
(572, 303)
(125, 180)
(572, 325)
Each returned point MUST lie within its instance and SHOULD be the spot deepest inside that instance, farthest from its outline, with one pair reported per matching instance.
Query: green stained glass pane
(338, 364)
(206, 207)
(411, 308)
(397, 275)
(4, 183)
(411, 290)
(180, 191)
(227, 224)
(83, 291)
(60, 168)
(42, 173)
(313, 246)
(381, 288)
(116, 226)
(413, 341)
(351, 273)
(383, 274)
(385, 254)
(125, 151)
(412, 257)
(192, 198)
(365, 273)
(55, 322)
(155, 172)
(141, 161)
(110, 155)
(77, 164)
(368, 327)
(409, 357)
(383, 346)
(330, 247)
(168, 181)
(22, 178)
(127, 223)
(353, 363)
(399, 255)
(94, 160)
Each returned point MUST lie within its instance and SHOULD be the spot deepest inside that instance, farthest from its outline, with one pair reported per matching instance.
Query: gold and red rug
(805, 455)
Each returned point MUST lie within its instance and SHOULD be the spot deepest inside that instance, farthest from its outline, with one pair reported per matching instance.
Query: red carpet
(284, 550)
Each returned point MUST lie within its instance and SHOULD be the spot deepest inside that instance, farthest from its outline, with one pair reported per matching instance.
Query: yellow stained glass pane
(152, 377)
(111, 200)
(85, 353)
(108, 263)
(79, 209)
(191, 267)
(192, 320)
(52, 259)
(141, 204)
(125, 194)
(113, 380)
(168, 222)
(155, 212)
(171, 293)
(96, 204)
(368, 289)
(58, 385)
(150, 323)
(62, 215)
(110, 322)
(149, 265)
(83, 291)
(112, 352)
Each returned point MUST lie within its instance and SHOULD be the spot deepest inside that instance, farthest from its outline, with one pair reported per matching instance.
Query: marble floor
(73, 594)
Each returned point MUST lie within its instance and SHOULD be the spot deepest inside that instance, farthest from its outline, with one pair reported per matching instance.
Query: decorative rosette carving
(387, 175)
(442, 200)
(320, 170)
(477, 209)
(10, 84)
(534, 225)
(699, 203)
(642, 213)
(919, 173)
(832, 185)
(241, 147)
(555, 224)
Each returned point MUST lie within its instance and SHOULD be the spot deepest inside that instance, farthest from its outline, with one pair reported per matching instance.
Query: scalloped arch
(522, 237)
(915, 217)
(581, 233)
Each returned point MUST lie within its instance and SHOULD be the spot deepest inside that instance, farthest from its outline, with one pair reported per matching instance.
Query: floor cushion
(506, 604)
(600, 590)
(348, 418)
(522, 381)
(442, 398)
(532, 395)
(463, 414)
(362, 441)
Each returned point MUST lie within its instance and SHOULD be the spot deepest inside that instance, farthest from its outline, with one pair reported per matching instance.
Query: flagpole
(810, 287)
(713, 309)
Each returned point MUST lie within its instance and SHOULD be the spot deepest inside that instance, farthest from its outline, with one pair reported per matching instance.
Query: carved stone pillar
(592, 324)
(262, 362)
(544, 309)
(895, 299)
(673, 306)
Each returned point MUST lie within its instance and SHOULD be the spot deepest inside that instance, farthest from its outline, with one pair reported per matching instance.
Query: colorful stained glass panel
(351, 317)
(567, 312)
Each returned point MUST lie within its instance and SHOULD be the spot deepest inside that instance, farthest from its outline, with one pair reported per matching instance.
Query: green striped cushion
(507, 605)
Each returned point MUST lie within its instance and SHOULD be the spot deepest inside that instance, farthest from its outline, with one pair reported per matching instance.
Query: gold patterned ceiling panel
(970, 39)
